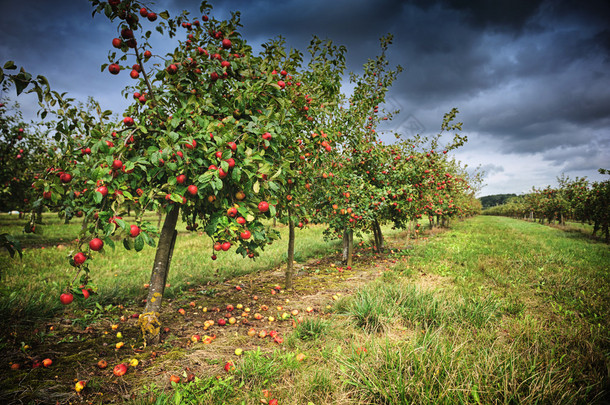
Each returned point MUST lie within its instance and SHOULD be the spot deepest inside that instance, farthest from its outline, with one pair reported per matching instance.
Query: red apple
(116, 42)
(66, 298)
(96, 244)
(245, 234)
(128, 121)
(180, 179)
(103, 190)
(119, 370)
(229, 366)
(241, 220)
(65, 177)
(134, 231)
(79, 258)
(232, 212)
(263, 206)
(171, 69)
(117, 164)
(226, 246)
(222, 322)
(226, 43)
(114, 68)
(192, 189)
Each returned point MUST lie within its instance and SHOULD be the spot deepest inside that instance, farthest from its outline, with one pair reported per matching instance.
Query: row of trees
(572, 200)
(226, 138)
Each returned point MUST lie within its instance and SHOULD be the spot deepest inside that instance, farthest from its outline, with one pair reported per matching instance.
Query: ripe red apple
(241, 220)
(103, 190)
(128, 121)
(117, 164)
(180, 179)
(281, 84)
(116, 42)
(65, 177)
(226, 246)
(126, 33)
(96, 244)
(245, 234)
(232, 212)
(144, 12)
(171, 69)
(114, 68)
(120, 370)
(102, 364)
(217, 246)
(232, 146)
(66, 298)
(222, 322)
(226, 43)
(152, 17)
(134, 74)
(229, 366)
(86, 293)
(147, 54)
(134, 231)
(230, 308)
(192, 189)
(263, 206)
(46, 195)
(79, 258)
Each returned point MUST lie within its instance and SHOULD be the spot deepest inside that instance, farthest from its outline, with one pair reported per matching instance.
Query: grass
(492, 311)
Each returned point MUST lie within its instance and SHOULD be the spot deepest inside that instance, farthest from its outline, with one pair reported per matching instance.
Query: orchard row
(573, 200)
(227, 139)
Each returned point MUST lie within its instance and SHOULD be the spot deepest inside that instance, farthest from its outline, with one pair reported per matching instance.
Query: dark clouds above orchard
(531, 78)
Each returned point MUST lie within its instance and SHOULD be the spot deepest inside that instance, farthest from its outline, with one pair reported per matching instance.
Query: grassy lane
(499, 311)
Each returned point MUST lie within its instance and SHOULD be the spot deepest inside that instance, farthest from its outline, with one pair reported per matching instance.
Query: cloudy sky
(531, 78)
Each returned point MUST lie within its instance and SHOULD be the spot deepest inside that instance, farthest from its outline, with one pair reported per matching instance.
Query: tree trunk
(380, 247)
(345, 245)
(375, 238)
(350, 247)
(290, 260)
(38, 216)
(149, 321)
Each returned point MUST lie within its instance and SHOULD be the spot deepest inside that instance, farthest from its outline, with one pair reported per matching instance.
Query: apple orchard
(229, 140)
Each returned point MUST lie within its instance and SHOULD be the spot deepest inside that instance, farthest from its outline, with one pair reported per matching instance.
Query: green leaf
(236, 175)
(127, 244)
(10, 65)
(109, 242)
(120, 223)
(256, 187)
(205, 178)
(164, 15)
(98, 197)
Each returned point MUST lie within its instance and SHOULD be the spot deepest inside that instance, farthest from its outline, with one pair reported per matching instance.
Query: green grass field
(491, 311)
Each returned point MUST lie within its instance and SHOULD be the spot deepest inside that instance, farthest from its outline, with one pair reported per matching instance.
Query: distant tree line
(573, 200)
(495, 199)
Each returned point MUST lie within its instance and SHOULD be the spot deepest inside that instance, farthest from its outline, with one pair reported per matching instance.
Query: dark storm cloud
(530, 78)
